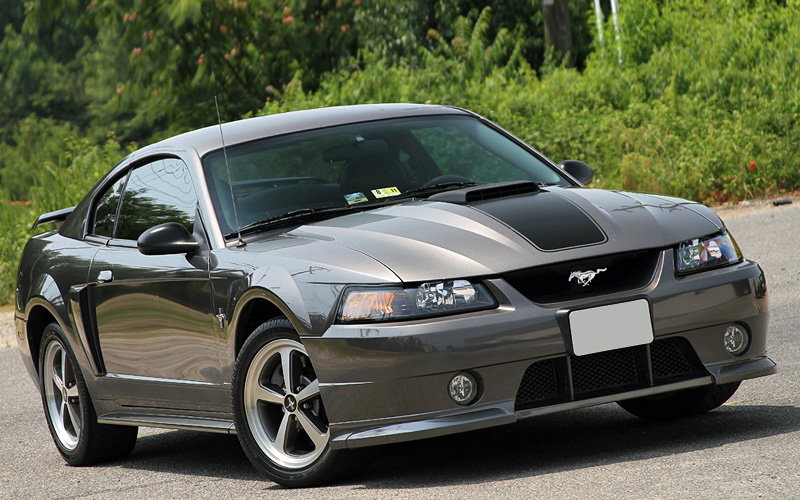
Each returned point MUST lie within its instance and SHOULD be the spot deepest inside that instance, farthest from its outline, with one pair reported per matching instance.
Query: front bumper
(384, 383)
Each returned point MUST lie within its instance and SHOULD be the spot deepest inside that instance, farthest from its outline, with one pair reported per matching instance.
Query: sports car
(323, 280)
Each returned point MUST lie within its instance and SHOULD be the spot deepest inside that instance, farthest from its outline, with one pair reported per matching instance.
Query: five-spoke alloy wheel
(61, 397)
(68, 408)
(280, 418)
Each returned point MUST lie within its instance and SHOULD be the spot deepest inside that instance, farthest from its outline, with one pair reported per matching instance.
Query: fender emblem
(221, 318)
(585, 277)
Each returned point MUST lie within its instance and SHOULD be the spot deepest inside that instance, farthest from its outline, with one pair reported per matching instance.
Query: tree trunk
(557, 32)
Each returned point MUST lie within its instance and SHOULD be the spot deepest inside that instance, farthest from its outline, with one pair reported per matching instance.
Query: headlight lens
(432, 298)
(706, 253)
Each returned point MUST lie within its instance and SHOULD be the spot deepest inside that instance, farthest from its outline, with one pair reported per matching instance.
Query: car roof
(208, 139)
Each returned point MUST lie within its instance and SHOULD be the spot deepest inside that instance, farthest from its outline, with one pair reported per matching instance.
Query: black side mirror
(165, 239)
(582, 172)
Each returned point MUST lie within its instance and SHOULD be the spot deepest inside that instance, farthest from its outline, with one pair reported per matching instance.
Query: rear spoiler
(59, 216)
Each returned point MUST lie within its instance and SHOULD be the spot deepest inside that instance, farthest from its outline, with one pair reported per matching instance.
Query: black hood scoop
(474, 194)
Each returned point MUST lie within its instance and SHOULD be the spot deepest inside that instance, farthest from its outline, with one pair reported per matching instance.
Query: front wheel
(679, 404)
(69, 410)
(280, 419)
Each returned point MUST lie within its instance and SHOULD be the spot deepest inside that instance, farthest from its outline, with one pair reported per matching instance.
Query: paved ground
(748, 449)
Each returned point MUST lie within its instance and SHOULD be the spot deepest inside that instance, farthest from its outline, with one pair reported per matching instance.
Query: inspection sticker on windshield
(354, 198)
(385, 192)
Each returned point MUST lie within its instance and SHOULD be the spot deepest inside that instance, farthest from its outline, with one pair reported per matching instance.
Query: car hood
(428, 240)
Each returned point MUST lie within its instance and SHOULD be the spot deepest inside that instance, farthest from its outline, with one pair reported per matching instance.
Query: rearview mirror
(582, 172)
(165, 239)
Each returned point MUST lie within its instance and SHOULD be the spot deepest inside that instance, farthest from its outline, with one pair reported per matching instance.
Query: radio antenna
(230, 182)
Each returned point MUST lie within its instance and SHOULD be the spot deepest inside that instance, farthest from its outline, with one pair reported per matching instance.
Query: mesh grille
(608, 372)
(669, 360)
(604, 371)
(539, 383)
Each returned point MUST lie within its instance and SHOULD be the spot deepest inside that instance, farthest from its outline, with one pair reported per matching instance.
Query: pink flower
(288, 19)
(223, 29)
(119, 90)
(200, 59)
(345, 28)
(137, 51)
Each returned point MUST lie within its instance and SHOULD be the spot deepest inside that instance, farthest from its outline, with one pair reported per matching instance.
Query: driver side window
(154, 193)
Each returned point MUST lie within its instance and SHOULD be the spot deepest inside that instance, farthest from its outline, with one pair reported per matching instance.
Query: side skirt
(218, 425)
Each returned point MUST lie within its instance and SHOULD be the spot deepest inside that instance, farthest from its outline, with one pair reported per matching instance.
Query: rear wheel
(69, 410)
(280, 419)
(679, 404)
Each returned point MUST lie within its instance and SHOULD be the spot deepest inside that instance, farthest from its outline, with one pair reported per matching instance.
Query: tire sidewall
(276, 329)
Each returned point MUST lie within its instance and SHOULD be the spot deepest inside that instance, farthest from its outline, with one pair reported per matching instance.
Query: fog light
(736, 340)
(463, 388)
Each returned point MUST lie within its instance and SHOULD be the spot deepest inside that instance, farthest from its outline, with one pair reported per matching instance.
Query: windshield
(362, 164)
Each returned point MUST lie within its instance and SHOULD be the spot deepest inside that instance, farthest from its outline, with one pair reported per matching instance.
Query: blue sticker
(354, 198)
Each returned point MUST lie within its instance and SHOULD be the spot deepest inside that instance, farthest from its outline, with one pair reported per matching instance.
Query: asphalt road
(749, 448)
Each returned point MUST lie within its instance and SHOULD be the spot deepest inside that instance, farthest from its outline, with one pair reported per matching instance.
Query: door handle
(105, 276)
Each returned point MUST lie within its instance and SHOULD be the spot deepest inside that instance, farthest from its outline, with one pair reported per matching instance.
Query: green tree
(471, 46)
(180, 54)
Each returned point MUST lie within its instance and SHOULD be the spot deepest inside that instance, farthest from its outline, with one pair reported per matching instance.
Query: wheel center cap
(290, 403)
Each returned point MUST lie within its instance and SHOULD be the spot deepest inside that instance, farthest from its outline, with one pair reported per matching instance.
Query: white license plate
(610, 327)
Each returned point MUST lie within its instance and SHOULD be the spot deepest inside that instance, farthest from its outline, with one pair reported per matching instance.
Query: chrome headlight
(433, 298)
(710, 252)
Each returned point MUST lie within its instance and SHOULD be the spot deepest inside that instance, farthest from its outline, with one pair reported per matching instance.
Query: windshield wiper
(289, 216)
(437, 188)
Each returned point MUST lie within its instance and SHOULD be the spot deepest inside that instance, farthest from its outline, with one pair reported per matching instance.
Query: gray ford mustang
(323, 280)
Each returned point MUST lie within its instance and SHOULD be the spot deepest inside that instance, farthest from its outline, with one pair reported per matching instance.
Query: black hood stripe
(547, 220)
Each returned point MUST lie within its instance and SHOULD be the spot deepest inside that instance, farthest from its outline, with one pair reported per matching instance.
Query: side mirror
(579, 170)
(165, 239)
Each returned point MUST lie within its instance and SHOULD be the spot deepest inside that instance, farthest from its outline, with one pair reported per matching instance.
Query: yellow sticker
(385, 192)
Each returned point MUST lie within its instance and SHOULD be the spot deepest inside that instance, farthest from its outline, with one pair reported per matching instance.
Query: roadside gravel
(7, 334)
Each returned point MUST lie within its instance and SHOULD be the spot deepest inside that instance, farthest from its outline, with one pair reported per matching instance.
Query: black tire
(680, 404)
(282, 427)
(68, 407)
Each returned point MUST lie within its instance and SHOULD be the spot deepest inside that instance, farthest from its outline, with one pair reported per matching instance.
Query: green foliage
(54, 186)
(31, 146)
(177, 55)
(399, 31)
(32, 80)
(472, 47)
(13, 221)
